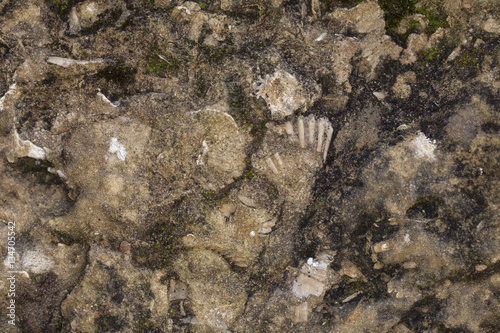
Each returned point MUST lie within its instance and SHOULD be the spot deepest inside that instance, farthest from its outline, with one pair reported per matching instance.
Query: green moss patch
(159, 64)
(396, 10)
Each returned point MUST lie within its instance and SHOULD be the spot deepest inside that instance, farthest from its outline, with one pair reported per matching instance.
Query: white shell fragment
(105, 99)
(321, 131)
(58, 172)
(12, 89)
(267, 227)
(67, 62)
(329, 134)
(278, 159)
(320, 37)
(282, 92)
(289, 128)
(37, 262)
(116, 147)
(318, 139)
(74, 21)
(27, 148)
(350, 298)
(312, 125)
(199, 160)
(271, 165)
(300, 125)
(424, 147)
(314, 277)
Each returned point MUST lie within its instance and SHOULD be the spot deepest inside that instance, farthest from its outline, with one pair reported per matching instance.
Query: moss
(61, 5)
(435, 20)
(468, 63)
(246, 109)
(258, 128)
(413, 27)
(162, 248)
(413, 24)
(468, 58)
(249, 173)
(430, 56)
(217, 55)
(159, 64)
(217, 196)
(209, 195)
(202, 86)
(236, 97)
(145, 323)
(396, 10)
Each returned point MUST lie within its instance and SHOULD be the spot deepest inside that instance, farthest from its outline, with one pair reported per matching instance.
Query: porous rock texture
(250, 166)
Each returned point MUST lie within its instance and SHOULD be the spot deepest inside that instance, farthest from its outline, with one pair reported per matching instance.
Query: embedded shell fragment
(310, 134)
(283, 93)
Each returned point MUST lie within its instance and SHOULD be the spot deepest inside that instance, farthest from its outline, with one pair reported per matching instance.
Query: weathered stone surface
(111, 293)
(250, 166)
(216, 293)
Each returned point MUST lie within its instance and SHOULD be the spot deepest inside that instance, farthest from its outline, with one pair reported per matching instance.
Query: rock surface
(249, 166)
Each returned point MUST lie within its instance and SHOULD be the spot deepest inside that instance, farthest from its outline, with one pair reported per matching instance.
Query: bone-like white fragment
(312, 125)
(74, 22)
(27, 148)
(12, 89)
(270, 224)
(320, 38)
(300, 125)
(267, 227)
(278, 159)
(57, 172)
(105, 99)
(116, 147)
(265, 230)
(350, 298)
(271, 165)
(329, 134)
(321, 131)
(66, 62)
(289, 129)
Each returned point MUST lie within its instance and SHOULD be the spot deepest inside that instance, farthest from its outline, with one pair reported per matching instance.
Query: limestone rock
(216, 294)
(174, 166)
(109, 293)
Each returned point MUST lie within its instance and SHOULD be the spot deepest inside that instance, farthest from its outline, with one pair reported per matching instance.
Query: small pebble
(382, 247)
(125, 247)
(480, 268)
(410, 265)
